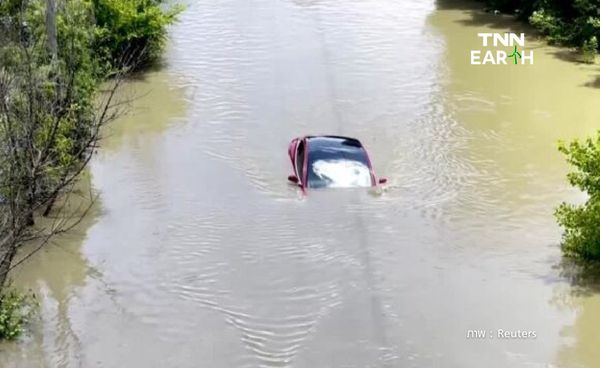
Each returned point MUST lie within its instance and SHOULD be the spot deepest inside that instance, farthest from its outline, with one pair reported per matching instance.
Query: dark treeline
(564, 22)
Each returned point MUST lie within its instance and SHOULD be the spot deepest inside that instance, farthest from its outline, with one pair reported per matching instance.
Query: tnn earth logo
(513, 55)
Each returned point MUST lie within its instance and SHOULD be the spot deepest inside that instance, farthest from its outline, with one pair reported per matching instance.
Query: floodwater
(201, 255)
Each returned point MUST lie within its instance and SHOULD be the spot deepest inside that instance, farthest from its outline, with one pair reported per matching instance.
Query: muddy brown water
(201, 255)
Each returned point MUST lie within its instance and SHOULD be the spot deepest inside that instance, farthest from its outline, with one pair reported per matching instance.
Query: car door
(300, 160)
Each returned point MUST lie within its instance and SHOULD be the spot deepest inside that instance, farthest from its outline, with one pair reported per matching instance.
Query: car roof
(332, 147)
(332, 141)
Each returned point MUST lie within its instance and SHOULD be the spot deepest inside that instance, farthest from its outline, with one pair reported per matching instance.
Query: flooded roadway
(201, 255)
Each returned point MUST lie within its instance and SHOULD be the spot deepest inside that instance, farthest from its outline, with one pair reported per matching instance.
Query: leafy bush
(572, 23)
(589, 50)
(16, 310)
(581, 237)
(131, 32)
(549, 25)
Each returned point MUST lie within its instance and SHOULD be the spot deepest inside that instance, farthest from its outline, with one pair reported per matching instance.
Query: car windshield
(337, 163)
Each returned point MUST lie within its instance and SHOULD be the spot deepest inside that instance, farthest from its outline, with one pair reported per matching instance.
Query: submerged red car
(331, 162)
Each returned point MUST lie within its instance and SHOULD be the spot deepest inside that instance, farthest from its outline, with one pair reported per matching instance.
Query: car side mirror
(382, 180)
(293, 179)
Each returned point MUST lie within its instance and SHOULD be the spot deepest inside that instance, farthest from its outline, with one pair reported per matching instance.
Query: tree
(50, 122)
(581, 223)
(589, 50)
(55, 54)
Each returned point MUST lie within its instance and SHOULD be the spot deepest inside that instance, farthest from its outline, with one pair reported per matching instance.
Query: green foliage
(131, 32)
(581, 237)
(572, 23)
(16, 309)
(52, 99)
(109, 34)
(95, 38)
(590, 50)
(52, 64)
(549, 25)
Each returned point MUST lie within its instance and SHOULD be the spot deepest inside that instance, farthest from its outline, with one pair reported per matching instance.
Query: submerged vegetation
(16, 309)
(581, 223)
(55, 55)
(569, 23)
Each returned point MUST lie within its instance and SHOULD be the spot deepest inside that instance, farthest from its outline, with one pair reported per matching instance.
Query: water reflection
(149, 102)
(582, 297)
(60, 274)
(55, 274)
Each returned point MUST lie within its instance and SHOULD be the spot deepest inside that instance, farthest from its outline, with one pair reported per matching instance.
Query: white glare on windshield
(342, 173)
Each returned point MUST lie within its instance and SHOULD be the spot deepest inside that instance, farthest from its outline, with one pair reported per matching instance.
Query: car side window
(300, 160)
